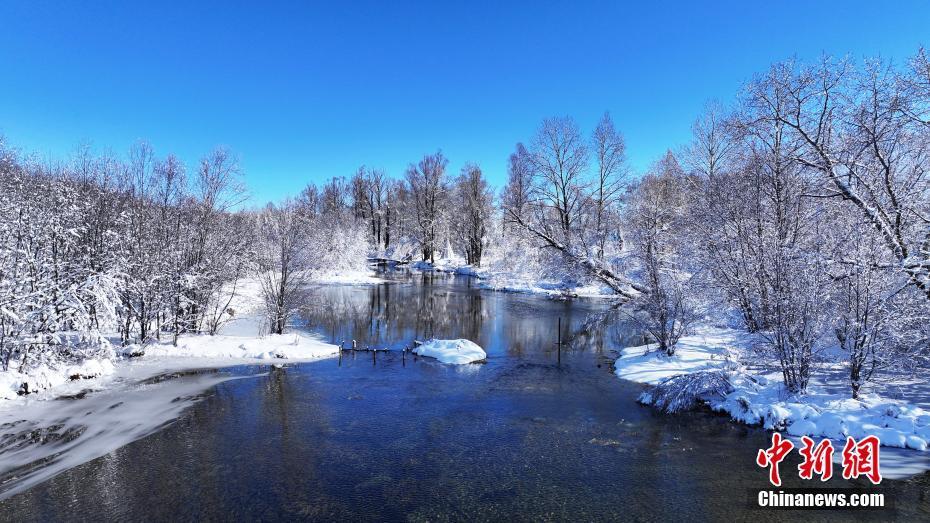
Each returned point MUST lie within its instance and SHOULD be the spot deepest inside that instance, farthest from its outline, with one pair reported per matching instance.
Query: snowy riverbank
(756, 396)
(365, 277)
(193, 351)
(49, 377)
(240, 341)
(507, 281)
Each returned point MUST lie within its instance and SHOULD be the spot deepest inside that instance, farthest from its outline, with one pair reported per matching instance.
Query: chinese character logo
(817, 460)
(861, 459)
(774, 455)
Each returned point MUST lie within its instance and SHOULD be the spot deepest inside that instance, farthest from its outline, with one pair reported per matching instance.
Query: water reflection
(419, 306)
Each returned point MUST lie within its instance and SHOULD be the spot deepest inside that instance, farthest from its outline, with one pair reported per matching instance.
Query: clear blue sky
(305, 91)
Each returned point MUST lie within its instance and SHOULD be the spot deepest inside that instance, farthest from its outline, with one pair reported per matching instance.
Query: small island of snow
(456, 352)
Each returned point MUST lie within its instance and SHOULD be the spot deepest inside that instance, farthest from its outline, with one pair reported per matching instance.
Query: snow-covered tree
(609, 151)
(427, 184)
(283, 261)
(472, 202)
(655, 220)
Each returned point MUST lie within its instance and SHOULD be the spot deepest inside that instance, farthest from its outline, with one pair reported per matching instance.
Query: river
(531, 434)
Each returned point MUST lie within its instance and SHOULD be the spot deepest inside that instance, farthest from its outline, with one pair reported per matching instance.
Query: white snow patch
(366, 277)
(707, 350)
(271, 347)
(550, 289)
(456, 352)
(90, 369)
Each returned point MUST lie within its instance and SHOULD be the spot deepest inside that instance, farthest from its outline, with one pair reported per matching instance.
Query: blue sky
(304, 91)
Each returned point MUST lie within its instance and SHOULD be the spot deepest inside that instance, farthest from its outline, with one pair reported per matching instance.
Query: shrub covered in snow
(687, 391)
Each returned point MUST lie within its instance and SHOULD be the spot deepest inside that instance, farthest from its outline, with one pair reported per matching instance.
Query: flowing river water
(530, 435)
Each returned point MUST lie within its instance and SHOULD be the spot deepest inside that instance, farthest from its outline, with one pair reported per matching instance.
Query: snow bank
(271, 347)
(366, 277)
(451, 265)
(456, 352)
(191, 351)
(89, 369)
(708, 350)
(761, 399)
(44, 377)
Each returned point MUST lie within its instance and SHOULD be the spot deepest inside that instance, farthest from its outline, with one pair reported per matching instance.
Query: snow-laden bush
(686, 391)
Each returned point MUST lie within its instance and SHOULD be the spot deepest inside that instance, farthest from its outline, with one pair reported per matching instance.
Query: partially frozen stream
(521, 437)
(39, 439)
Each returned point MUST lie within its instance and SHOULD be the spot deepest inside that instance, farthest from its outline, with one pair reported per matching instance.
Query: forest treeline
(800, 211)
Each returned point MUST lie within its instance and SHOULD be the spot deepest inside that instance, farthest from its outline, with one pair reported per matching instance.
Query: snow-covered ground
(456, 352)
(192, 352)
(240, 341)
(238, 349)
(451, 265)
(758, 396)
(47, 377)
(708, 349)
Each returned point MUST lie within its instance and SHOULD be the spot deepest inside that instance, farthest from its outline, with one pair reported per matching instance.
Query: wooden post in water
(404, 357)
(374, 356)
(559, 360)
